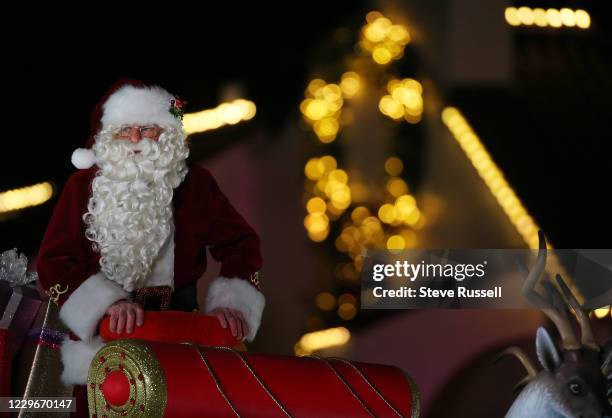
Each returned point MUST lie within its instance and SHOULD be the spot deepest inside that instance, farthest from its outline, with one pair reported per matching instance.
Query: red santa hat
(129, 102)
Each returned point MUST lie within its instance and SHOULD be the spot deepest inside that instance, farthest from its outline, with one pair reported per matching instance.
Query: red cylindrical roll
(174, 326)
(186, 380)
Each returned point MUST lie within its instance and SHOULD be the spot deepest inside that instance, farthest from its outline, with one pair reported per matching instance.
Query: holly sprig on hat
(177, 107)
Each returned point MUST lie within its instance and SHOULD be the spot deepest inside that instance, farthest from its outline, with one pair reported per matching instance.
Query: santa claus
(133, 224)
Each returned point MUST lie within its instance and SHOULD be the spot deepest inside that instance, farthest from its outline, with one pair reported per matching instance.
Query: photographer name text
(427, 292)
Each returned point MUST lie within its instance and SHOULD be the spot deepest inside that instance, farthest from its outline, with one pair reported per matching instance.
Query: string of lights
(229, 113)
(25, 197)
(553, 18)
(331, 196)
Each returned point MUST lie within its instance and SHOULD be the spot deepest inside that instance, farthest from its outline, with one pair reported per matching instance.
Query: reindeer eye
(575, 388)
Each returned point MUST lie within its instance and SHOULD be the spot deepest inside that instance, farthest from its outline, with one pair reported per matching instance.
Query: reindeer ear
(547, 350)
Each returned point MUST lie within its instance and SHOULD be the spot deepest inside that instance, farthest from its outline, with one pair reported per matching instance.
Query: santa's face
(129, 214)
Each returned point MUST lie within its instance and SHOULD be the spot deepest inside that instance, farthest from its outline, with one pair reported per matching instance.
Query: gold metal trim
(255, 279)
(416, 396)
(346, 384)
(148, 387)
(215, 378)
(257, 378)
(55, 292)
(370, 384)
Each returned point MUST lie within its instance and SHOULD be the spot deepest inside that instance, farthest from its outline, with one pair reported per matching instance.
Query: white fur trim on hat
(240, 295)
(88, 303)
(83, 158)
(132, 105)
(76, 358)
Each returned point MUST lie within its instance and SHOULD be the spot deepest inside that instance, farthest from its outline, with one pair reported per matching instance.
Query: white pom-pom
(83, 158)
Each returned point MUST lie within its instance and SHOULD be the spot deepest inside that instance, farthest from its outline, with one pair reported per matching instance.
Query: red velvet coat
(203, 217)
(69, 269)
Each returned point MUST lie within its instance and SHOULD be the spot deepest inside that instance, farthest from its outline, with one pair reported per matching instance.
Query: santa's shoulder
(198, 176)
(81, 178)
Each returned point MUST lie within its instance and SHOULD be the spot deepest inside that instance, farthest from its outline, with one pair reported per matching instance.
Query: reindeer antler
(586, 332)
(557, 316)
(525, 361)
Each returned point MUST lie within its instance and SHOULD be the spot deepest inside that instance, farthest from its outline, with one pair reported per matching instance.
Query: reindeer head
(575, 380)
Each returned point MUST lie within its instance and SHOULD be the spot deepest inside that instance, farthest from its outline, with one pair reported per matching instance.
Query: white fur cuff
(240, 295)
(76, 358)
(88, 304)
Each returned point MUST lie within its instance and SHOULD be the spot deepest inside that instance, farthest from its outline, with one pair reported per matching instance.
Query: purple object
(19, 308)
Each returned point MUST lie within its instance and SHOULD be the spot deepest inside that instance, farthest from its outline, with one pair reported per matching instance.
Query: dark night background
(554, 144)
(549, 131)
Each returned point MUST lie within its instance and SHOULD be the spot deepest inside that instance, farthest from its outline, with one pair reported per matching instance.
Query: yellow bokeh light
(412, 84)
(539, 17)
(338, 176)
(350, 83)
(583, 19)
(554, 18)
(386, 213)
(407, 212)
(407, 200)
(225, 114)
(359, 214)
(388, 106)
(394, 166)
(25, 197)
(329, 163)
(396, 242)
(397, 187)
(314, 86)
(316, 222)
(315, 109)
(511, 15)
(340, 196)
(413, 217)
(525, 16)
(347, 298)
(412, 118)
(375, 33)
(314, 169)
(325, 301)
(318, 236)
(331, 92)
(347, 311)
(567, 17)
(382, 55)
(398, 34)
(318, 340)
(602, 312)
(373, 15)
(316, 205)
(246, 107)
(326, 129)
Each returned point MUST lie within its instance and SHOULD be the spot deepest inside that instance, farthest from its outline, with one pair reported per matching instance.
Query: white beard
(129, 215)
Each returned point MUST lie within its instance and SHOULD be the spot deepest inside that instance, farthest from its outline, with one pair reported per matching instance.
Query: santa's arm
(236, 246)
(67, 270)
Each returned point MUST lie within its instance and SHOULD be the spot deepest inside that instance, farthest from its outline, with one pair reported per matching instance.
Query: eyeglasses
(150, 131)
